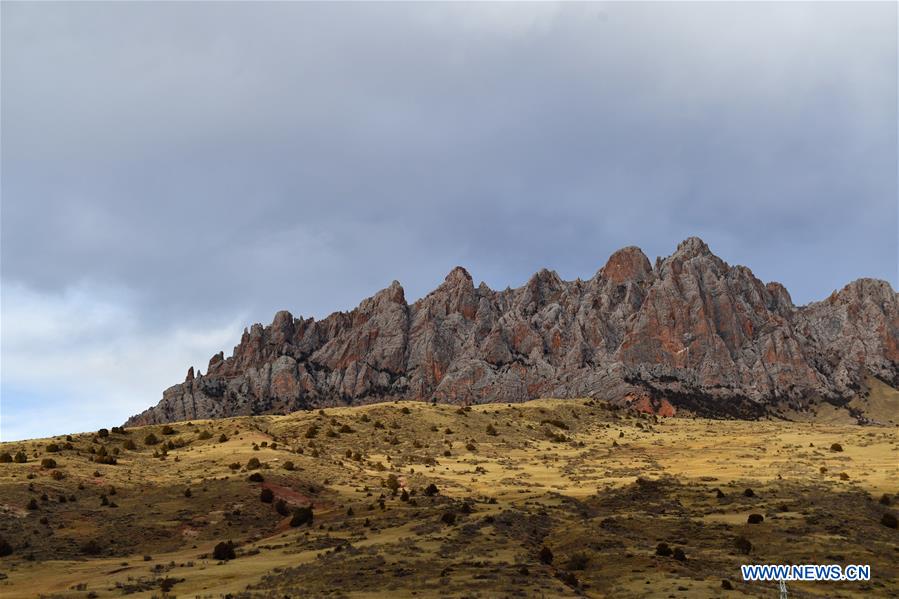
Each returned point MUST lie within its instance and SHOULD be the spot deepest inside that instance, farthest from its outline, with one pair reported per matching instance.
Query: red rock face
(689, 334)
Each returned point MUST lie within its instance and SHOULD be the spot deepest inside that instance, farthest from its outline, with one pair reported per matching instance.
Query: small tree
(224, 551)
(301, 516)
(103, 433)
(20, 458)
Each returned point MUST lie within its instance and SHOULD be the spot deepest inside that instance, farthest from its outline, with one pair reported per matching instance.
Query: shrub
(5, 458)
(255, 478)
(311, 432)
(448, 518)
(234, 466)
(578, 561)
(151, 439)
(281, 507)
(836, 447)
(679, 555)
(301, 516)
(720, 494)
(223, 438)
(5, 547)
(57, 475)
(267, 496)
(48, 463)
(224, 551)
(663, 549)
(392, 483)
(431, 490)
(204, 435)
(129, 445)
(889, 520)
(491, 430)
(32, 504)
(755, 519)
(726, 585)
(253, 464)
(103, 433)
(885, 499)
(743, 545)
(471, 446)
(20, 458)
(545, 555)
(749, 493)
(92, 547)
(406, 410)
(288, 465)
(52, 448)
(167, 430)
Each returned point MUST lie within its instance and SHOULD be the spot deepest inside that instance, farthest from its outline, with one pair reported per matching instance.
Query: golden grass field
(598, 487)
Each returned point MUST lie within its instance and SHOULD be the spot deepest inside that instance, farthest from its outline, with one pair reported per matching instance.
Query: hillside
(690, 334)
(556, 498)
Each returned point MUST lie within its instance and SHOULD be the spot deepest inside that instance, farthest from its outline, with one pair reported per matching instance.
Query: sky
(173, 172)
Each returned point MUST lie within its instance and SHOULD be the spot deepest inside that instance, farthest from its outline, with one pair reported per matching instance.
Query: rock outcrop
(690, 333)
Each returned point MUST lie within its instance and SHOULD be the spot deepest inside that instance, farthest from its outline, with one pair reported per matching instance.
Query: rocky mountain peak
(693, 334)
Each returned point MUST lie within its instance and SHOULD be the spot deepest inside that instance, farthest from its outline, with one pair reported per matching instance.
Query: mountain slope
(690, 333)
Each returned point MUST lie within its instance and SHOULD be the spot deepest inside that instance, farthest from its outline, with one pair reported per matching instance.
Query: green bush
(224, 551)
(301, 516)
(92, 547)
(743, 545)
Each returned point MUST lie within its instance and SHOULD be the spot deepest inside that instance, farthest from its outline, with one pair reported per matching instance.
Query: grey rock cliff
(690, 333)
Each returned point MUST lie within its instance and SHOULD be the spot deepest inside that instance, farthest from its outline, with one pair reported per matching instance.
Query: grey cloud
(236, 158)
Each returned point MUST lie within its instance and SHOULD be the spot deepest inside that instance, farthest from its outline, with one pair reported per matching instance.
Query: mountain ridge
(689, 333)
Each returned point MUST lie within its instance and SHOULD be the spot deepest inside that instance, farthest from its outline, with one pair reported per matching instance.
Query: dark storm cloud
(217, 161)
